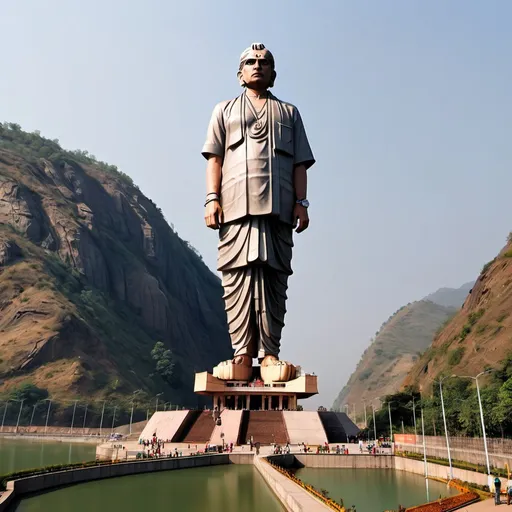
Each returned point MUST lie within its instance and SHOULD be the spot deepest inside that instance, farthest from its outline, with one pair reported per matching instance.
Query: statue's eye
(250, 62)
(264, 62)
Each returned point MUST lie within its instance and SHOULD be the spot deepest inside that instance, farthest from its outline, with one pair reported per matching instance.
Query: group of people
(497, 491)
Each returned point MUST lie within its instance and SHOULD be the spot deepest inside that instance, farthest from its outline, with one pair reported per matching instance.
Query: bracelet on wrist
(211, 200)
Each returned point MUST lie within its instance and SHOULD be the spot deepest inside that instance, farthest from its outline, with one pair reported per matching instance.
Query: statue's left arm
(303, 160)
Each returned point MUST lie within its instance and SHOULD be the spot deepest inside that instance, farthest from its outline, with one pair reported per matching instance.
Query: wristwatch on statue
(303, 202)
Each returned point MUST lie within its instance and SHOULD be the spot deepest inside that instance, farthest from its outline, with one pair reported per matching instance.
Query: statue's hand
(213, 214)
(300, 218)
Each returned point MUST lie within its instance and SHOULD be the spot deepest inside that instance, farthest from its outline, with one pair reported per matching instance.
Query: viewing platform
(255, 394)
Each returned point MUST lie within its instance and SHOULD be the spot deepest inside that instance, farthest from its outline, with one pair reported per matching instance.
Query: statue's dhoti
(255, 259)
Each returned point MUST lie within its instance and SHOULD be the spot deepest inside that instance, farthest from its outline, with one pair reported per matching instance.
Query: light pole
(102, 414)
(444, 421)
(85, 417)
(156, 404)
(113, 419)
(19, 414)
(131, 414)
(32, 417)
(5, 412)
(73, 418)
(424, 451)
(374, 424)
(414, 415)
(47, 414)
(481, 414)
(390, 424)
(365, 418)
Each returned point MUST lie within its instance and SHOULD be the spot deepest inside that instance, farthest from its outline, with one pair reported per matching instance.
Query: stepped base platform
(253, 394)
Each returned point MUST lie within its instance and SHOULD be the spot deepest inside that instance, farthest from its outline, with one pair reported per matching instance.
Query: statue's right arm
(213, 210)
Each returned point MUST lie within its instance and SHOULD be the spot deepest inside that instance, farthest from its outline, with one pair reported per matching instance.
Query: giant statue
(257, 156)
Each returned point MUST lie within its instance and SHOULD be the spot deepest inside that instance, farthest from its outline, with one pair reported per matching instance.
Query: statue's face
(257, 70)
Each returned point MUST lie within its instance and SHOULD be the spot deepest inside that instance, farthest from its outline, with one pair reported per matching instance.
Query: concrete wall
(334, 461)
(469, 449)
(304, 427)
(464, 454)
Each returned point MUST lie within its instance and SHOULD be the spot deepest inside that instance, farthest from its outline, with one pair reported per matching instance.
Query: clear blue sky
(407, 106)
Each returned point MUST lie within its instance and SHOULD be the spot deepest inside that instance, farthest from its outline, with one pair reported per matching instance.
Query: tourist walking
(497, 491)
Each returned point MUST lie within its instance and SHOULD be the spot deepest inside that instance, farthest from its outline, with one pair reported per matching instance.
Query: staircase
(201, 430)
(230, 427)
(266, 427)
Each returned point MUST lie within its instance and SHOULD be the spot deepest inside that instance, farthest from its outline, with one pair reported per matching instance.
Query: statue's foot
(238, 368)
(274, 370)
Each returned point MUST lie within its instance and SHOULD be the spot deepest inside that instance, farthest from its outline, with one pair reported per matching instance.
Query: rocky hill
(478, 337)
(451, 297)
(396, 347)
(92, 276)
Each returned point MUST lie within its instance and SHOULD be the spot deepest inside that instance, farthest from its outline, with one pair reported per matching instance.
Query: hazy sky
(407, 105)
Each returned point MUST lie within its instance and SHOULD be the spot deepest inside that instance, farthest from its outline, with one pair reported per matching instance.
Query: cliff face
(478, 337)
(91, 276)
(393, 352)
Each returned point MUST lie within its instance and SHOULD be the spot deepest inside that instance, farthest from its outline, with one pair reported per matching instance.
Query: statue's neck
(256, 93)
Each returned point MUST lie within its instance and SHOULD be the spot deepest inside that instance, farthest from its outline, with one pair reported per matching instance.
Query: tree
(165, 364)
(28, 392)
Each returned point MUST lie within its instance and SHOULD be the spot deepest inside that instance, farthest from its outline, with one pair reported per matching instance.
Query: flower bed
(447, 504)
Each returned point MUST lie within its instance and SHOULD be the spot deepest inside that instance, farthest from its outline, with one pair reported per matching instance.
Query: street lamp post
(390, 423)
(5, 412)
(19, 415)
(85, 417)
(156, 404)
(113, 419)
(424, 452)
(32, 417)
(365, 417)
(73, 417)
(445, 427)
(131, 414)
(414, 415)
(102, 414)
(47, 414)
(374, 424)
(481, 415)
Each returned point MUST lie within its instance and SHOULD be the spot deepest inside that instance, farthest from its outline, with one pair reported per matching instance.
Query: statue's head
(257, 67)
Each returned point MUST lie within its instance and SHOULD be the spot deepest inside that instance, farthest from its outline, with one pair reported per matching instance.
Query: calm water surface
(230, 488)
(27, 454)
(374, 490)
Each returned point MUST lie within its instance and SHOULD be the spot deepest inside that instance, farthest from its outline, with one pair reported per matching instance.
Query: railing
(322, 496)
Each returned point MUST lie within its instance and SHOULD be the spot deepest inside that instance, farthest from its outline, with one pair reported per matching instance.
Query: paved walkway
(485, 505)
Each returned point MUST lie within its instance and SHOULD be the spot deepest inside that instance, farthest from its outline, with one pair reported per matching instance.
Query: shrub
(486, 267)
(364, 375)
(455, 356)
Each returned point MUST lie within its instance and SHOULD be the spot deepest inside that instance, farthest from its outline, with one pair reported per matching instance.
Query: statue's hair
(243, 58)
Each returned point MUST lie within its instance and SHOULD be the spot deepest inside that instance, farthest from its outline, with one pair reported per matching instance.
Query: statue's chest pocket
(284, 141)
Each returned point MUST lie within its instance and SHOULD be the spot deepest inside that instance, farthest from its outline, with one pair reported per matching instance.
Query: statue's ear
(272, 79)
(240, 79)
